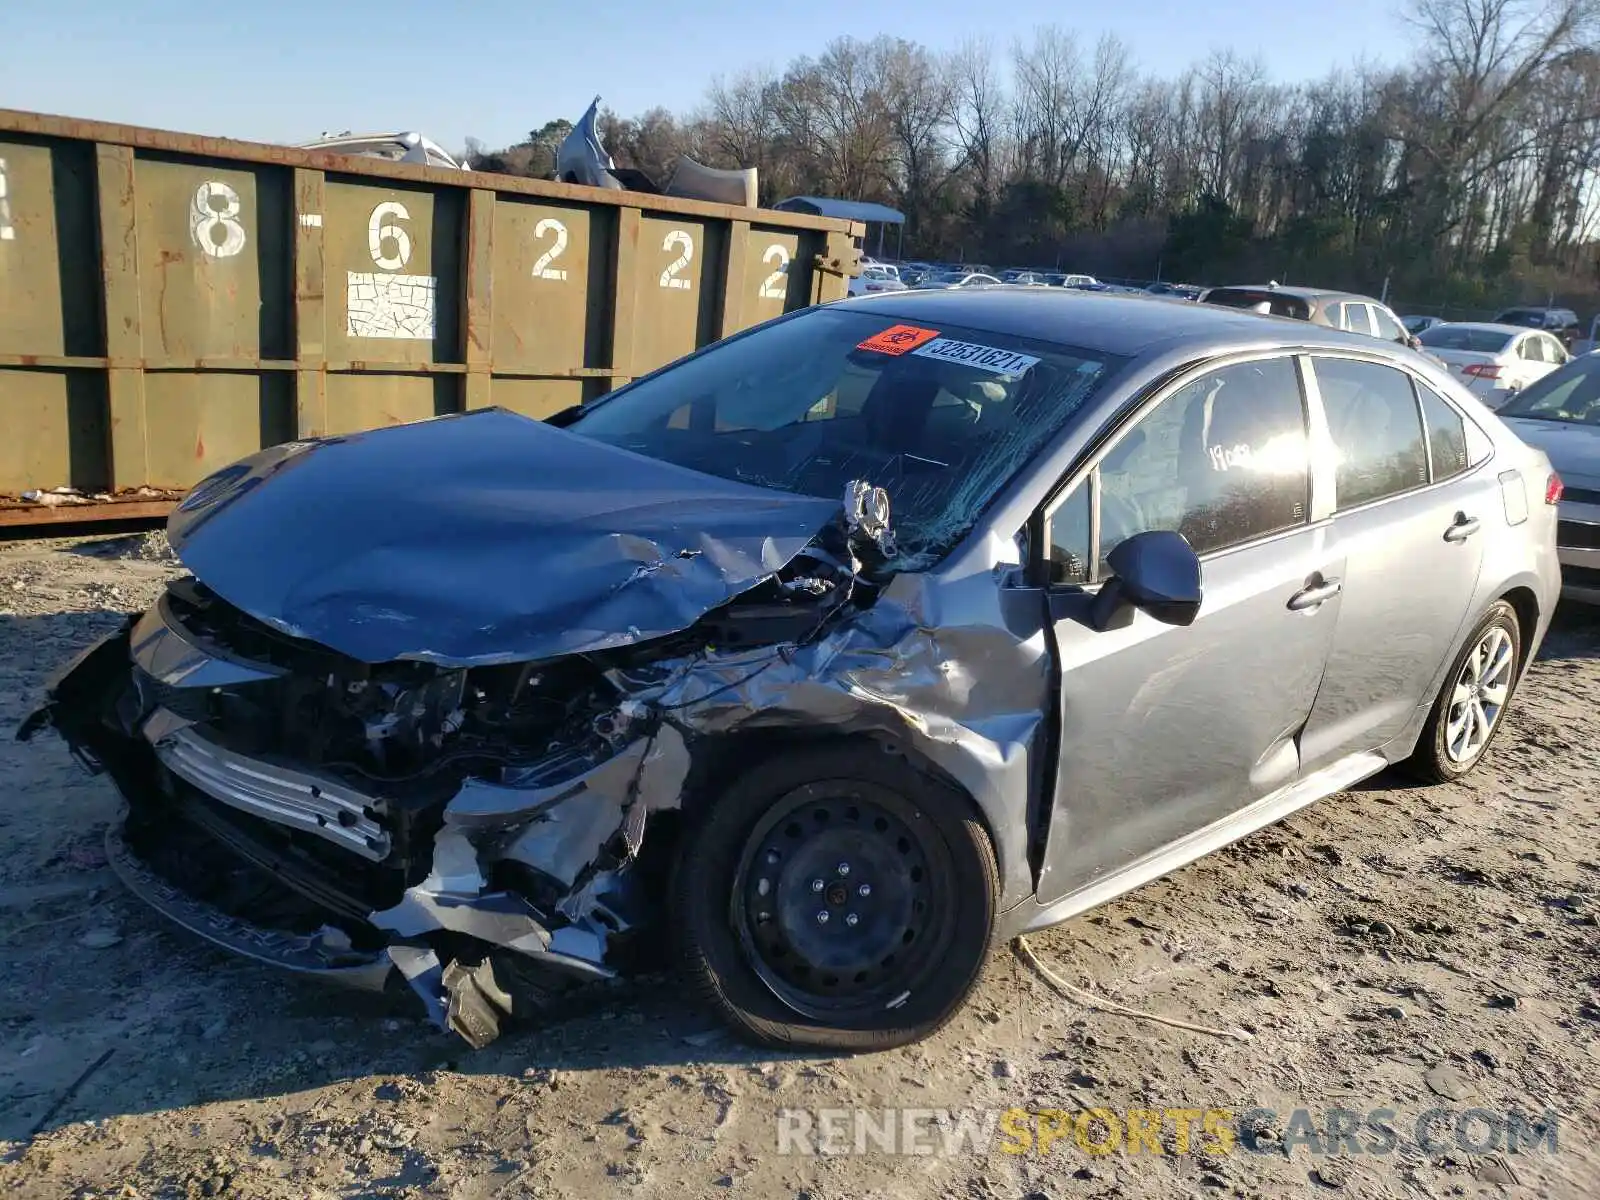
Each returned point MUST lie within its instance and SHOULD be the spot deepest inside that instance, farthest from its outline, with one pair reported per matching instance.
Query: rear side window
(1356, 321)
(1463, 337)
(1447, 435)
(1376, 429)
(1388, 328)
(1278, 305)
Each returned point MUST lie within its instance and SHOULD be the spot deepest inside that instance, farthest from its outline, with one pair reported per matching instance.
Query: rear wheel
(1471, 704)
(836, 898)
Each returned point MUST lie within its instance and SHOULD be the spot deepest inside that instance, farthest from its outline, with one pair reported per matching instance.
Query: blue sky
(285, 70)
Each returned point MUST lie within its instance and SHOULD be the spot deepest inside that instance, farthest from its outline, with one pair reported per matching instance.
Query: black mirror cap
(1160, 573)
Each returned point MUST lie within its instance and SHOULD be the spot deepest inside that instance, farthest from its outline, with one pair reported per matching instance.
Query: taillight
(1482, 370)
(1553, 488)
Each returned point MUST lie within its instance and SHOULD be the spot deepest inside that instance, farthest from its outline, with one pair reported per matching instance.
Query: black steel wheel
(836, 898)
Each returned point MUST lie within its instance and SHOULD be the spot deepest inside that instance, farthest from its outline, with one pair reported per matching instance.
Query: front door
(1412, 551)
(1165, 730)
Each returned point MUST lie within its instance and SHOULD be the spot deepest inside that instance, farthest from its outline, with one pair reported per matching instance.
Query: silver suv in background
(1337, 310)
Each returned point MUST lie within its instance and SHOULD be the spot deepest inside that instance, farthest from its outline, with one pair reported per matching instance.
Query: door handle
(1318, 593)
(1461, 528)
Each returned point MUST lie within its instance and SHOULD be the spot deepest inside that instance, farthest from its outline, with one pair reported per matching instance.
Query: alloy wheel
(1479, 695)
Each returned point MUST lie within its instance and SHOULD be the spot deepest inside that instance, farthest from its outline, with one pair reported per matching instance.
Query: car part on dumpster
(410, 147)
(489, 705)
(582, 158)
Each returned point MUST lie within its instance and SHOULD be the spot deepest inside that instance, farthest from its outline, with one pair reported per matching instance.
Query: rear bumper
(1580, 564)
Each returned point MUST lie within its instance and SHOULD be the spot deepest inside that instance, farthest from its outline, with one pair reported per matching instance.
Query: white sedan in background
(956, 279)
(1494, 361)
(876, 277)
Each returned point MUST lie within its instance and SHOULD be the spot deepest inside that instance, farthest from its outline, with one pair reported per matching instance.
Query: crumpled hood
(481, 538)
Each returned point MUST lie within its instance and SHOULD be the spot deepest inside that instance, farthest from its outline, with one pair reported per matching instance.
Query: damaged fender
(558, 829)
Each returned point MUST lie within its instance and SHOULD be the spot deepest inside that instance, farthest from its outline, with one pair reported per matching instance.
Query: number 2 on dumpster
(542, 269)
(682, 241)
(776, 285)
(7, 232)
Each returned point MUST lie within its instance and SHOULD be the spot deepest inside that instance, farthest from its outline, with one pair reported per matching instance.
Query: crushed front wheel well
(717, 760)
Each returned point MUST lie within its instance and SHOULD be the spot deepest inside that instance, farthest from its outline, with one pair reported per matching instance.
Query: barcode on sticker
(971, 354)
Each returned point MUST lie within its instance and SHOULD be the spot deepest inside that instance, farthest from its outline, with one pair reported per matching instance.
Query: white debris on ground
(1393, 947)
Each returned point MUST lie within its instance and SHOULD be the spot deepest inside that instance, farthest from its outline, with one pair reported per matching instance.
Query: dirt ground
(1391, 948)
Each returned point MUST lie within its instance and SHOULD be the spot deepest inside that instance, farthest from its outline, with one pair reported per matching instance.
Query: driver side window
(1222, 461)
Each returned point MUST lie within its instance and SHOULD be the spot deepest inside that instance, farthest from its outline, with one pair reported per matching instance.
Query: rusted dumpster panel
(169, 303)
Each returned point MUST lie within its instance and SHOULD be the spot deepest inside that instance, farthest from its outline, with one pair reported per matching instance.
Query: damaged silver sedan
(829, 654)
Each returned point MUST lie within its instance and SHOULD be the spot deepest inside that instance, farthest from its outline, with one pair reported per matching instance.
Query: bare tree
(1472, 170)
(978, 116)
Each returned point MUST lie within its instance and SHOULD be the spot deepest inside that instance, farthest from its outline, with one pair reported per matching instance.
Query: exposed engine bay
(478, 829)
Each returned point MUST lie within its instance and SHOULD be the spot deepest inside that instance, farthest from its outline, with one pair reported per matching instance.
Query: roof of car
(1487, 327)
(1305, 293)
(1124, 324)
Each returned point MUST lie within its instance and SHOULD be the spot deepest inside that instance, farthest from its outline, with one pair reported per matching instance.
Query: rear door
(1166, 730)
(1409, 521)
(1526, 360)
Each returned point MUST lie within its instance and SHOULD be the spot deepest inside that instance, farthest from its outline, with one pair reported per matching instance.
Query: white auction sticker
(987, 358)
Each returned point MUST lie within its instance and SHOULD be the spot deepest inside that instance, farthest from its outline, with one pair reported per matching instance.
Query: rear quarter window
(1447, 435)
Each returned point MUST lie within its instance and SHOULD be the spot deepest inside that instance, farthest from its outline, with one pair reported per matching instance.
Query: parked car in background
(1337, 310)
(1494, 361)
(1417, 324)
(1560, 414)
(1183, 291)
(1079, 281)
(1024, 278)
(882, 634)
(956, 279)
(1561, 322)
(876, 277)
(1589, 344)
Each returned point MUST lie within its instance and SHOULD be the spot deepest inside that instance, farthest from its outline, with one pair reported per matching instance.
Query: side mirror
(1156, 571)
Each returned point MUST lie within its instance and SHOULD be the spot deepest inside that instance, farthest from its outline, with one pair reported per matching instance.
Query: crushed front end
(465, 828)
(474, 829)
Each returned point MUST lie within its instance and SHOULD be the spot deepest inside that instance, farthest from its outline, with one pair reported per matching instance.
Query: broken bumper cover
(443, 935)
(326, 954)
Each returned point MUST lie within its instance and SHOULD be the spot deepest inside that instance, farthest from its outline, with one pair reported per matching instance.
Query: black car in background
(1561, 322)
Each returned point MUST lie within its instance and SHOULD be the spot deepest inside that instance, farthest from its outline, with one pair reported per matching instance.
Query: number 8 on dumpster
(214, 220)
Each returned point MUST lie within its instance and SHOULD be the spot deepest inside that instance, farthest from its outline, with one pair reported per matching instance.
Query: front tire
(885, 950)
(1471, 704)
